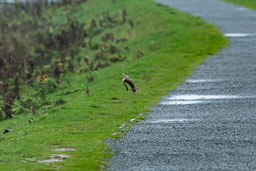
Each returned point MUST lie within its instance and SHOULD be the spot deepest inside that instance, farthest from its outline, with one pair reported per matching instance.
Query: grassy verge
(246, 3)
(174, 43)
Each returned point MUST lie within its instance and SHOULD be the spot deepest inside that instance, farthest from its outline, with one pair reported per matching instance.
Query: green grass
(174, 44)
(246, 3)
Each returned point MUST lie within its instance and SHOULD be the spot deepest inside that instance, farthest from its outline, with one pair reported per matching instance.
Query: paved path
(209, 121)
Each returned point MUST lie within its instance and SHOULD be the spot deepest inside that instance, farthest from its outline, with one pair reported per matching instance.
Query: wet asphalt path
(209, 121)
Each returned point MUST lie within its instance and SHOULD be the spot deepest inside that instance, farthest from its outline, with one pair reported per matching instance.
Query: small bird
(33, 110)
(127, 80)
(87, 89)
(30, 120)
(6, 131)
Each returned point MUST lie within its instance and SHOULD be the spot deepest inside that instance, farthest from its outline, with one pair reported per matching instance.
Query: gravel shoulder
(209, 121)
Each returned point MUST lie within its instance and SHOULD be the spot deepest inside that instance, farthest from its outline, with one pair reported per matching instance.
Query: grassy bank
(246, 3)
(173, 44)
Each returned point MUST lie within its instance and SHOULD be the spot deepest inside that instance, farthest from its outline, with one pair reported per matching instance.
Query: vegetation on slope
(37, 50)
(246, 3)
(161, 48)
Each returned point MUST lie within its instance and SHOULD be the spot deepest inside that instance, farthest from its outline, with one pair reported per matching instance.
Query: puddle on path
(53, 158)
(242, 9)
(181, 102)
(60, 155)
(203, 97)
(202, 80)
(197, 99)
(238, 34)
(172, 120)
(63, 149)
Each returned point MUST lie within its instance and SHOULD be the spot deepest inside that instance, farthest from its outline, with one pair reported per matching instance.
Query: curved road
(209, 121)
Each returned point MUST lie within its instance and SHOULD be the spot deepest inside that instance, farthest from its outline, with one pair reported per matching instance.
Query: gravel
(209, 121)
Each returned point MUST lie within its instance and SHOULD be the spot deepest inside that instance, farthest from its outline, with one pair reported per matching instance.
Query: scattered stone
(102, 167)
(132, 119)
(122, 126)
